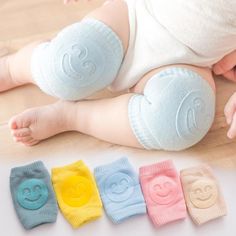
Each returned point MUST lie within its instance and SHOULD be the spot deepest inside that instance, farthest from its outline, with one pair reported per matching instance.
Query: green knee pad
(32, 195)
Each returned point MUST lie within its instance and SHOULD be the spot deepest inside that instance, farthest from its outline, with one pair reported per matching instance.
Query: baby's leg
(64, 61)
(105, 119)
(112, 119)
(15, 69)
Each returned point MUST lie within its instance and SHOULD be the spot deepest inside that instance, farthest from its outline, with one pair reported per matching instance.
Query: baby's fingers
(232, 130)
(226, 64)
(231, 75)
(230, 109)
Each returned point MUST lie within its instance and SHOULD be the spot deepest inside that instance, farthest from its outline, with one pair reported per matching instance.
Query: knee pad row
(83, 58)
(175, 112)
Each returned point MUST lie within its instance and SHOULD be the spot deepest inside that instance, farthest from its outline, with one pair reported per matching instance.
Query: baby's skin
(105, 119)
(227, 68)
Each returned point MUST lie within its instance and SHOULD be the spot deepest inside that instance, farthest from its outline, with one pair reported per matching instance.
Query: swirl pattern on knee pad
(83, 58)
(175, 112)
(75, 61)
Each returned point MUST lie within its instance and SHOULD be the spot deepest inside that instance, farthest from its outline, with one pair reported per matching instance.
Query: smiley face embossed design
(119, 187)
(76, 191)
(203, 193)
(32, 194)
(192, 116)
(74, 63)
(163, 190)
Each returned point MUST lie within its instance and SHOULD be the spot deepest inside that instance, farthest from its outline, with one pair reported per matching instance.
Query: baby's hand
(230, 114)
(227, 66)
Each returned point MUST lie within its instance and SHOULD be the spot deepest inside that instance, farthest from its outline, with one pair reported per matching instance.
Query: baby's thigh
(173, 108)
(114, 13)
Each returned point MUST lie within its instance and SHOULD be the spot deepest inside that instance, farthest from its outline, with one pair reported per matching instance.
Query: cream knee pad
(82, 59)
(175, 112)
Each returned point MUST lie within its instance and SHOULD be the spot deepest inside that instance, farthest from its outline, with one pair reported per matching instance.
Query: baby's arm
(230, 114)
(227, 66)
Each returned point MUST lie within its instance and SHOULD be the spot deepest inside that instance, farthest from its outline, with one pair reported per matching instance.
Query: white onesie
(165, 32)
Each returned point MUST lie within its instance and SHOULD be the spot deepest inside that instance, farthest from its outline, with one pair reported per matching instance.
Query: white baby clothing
(165, 32)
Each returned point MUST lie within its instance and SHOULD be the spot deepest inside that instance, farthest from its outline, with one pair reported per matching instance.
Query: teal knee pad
(83, 58)
(32, 195)
(175, 112)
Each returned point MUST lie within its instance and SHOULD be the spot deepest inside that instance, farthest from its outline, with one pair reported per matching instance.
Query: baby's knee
(175, 112)
(84, 58)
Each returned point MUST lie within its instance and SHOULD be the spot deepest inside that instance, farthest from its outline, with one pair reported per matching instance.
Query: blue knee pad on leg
(83, 58)
(175, 112)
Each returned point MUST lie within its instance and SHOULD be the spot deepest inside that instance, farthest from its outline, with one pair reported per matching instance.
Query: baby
(159, 53)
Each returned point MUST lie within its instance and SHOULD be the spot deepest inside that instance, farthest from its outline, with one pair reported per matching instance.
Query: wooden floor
(22, 21)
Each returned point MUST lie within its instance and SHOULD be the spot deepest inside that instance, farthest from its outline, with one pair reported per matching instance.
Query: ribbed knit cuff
(219, 212)
(37, 219)
(91, 215)
(121, 163)
(159, 220)
(137, 124)
(77, 164)
(123, 214)
(27, 169)
(156, 168)
(109, 35)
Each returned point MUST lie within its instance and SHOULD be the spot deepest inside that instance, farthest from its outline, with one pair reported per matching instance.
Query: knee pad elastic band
(84, 58)
(175, 112)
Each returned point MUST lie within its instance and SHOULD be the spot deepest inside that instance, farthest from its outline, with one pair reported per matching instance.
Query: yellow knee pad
(77, 193)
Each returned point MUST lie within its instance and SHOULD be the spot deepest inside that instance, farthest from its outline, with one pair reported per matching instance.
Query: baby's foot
(36, 124)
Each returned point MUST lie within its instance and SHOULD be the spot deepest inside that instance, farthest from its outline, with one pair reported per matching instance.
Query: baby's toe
(24, 132)
(20, 121)
(23, 139)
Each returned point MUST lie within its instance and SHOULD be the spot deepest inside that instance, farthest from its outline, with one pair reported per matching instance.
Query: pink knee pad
(163, 192)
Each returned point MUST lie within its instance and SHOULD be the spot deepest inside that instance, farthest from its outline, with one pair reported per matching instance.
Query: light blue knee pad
(175, 112)
(84, 58)
(120, 190)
